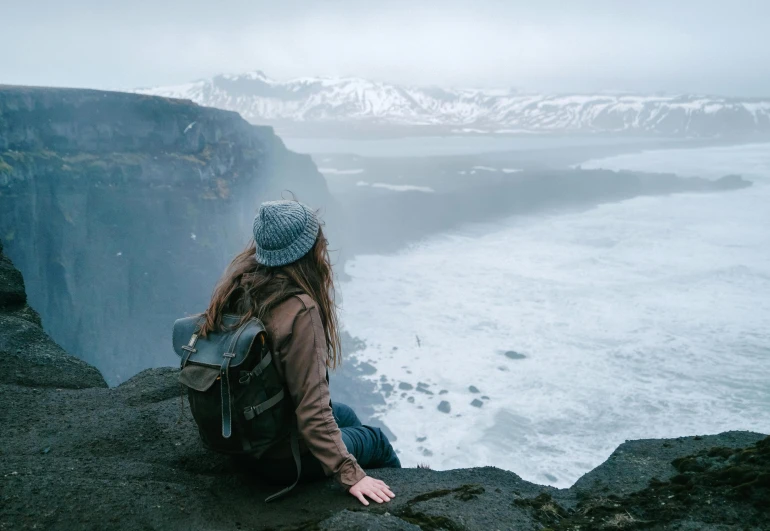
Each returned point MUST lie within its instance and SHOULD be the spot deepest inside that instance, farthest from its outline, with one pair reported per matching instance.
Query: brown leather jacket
(299, 348)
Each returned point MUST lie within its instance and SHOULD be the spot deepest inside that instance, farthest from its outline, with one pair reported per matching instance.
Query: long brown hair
(250, 289)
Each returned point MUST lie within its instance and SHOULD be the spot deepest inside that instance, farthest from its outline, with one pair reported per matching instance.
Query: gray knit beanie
(284, 232)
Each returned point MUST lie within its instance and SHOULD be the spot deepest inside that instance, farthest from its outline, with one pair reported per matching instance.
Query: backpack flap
(198, 377)
(233, 342)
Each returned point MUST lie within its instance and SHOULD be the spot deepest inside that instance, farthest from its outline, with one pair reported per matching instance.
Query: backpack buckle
(191, 345)
(190, 348)
(252, 411)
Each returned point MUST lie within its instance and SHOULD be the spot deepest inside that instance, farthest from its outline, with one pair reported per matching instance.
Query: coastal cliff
(122, 210)
(75, 454)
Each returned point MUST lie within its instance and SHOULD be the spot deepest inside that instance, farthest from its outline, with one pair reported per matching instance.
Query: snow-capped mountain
(360, 102)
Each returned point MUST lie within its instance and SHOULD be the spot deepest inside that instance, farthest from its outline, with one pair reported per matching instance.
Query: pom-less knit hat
(284, 232)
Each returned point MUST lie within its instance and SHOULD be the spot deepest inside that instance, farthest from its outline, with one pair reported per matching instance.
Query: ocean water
(639, 319)
(426, 146)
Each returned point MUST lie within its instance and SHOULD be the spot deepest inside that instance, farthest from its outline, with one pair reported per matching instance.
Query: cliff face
(27, 355)
(75, 454)
(122, 210)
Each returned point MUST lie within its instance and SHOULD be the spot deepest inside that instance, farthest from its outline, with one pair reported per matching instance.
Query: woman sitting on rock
(285, 279)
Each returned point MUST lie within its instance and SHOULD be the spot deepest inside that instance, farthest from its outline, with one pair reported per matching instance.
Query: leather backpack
(236, 395)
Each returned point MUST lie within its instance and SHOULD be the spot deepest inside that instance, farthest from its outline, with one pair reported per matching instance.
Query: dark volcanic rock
(27, 355)
(423, 388)
(130, 458)
(513, 355)
(718, 487)
(12, 292)
(444, 406)
(635, 463)
(357, 520)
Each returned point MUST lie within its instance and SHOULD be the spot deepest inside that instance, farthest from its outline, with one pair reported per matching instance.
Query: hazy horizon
(291, 78)
(707, 47)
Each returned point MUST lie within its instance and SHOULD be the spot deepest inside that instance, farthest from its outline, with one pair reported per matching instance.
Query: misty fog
(550, 220)
(706, 46)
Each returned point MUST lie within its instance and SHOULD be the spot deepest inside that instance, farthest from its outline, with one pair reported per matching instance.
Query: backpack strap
(259, 369)
(252, 411)
(224, 374)
(297, 462)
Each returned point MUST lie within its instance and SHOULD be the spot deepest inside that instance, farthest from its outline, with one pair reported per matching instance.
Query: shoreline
(344, 188)
(375, 353)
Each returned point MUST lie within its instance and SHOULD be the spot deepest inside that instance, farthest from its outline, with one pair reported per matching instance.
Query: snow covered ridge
(260, 99)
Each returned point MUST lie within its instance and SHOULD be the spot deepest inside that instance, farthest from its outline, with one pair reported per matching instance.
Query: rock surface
(130, 458)
(27, 355)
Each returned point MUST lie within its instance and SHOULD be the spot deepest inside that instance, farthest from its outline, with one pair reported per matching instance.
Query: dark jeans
(368, 445)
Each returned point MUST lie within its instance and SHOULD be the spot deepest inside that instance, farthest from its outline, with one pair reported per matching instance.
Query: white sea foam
(403, 187)
(645, 318)
(335, 171)
(750, 160)
(398, 187)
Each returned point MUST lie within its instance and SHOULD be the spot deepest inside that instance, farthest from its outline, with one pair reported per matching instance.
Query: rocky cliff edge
(75, 454)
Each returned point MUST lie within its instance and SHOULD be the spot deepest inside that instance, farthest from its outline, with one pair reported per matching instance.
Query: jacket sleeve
(304, 358)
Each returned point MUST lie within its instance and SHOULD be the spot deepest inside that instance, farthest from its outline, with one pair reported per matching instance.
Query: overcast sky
(707, 46)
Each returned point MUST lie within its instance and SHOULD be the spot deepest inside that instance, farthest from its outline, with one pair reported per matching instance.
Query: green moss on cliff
(718, 486)
(28, 156)
(100, 166)
(190, 158)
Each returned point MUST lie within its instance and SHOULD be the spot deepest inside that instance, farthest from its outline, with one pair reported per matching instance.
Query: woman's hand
(373, 488)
